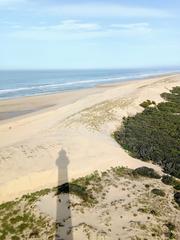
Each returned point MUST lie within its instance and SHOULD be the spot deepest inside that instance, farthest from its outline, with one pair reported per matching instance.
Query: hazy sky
(89, 34)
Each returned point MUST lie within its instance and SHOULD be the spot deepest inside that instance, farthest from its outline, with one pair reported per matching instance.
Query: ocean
(19, 83)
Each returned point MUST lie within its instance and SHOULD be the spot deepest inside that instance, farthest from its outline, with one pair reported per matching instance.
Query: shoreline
(98, 85)
(14, 108)
(81, 123)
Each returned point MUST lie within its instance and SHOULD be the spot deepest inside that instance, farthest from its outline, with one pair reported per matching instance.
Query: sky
(62, 34)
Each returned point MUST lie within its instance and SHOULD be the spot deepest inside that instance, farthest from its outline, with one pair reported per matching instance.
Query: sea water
(19, 83)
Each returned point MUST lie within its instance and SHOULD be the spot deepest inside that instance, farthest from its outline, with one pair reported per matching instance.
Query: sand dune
(81, 122)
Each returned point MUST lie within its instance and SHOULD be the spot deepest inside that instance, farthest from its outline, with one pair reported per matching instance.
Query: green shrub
(169, 180)
(177, 186)
(153, 212)
(15, 238)
(154, 134)
(146, 172)
(147, 103)
(158, 192)
(170, 226)
(78, 190)
(177, 198)
(143, 210)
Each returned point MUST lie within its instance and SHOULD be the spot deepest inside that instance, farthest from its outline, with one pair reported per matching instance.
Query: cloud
(11, 2)
(74, 29)
(144, 27)
(105, 10)
(70, 25)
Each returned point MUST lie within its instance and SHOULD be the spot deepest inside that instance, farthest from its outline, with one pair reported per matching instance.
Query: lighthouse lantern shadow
(63, 213)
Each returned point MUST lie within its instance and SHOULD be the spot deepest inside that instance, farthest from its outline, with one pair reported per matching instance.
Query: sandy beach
(34, 130)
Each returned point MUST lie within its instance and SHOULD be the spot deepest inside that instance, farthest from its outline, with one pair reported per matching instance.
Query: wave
(86, 83)
(48, 86)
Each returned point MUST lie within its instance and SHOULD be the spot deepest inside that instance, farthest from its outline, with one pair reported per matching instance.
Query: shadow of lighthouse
(63, 213)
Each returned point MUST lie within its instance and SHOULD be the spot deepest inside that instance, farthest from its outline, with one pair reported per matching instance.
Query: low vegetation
(123, 171)
(20, 219)
(154, 134)
(158, 192)
(177, 198)
(146, 172)
(147, 103)
(78, 190)
(169, 180)
(171, 228)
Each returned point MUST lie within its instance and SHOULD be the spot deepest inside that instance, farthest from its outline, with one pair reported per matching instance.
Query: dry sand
(125, 208)
(81, 122)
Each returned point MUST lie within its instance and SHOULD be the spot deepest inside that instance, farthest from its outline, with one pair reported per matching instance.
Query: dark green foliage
(171, 227)
(16, 219)
(146, 172)
(15, 238)
(143, 210)
(154, 134)
(7, 205)
(147, 103)
(22, 227)
(169, 180)
(78, 190)
(177, 198)
(153, 212)
(158, 192)
(173, 96)
(177, 186)
(147, 210)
